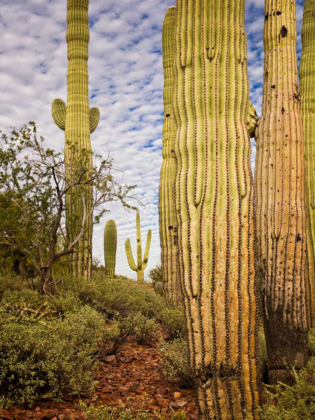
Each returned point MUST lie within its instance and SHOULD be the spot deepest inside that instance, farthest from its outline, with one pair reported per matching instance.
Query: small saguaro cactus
(168, 223)
(110, 247)
(215, 207)
(141, 263)
(280, 207)
(78, 121)
(307, 78)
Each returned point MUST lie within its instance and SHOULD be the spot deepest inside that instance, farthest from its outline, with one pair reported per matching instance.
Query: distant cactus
(110, 247)
(78, 121)
(280, 207)
(215, 207)
(168, 223)
(141, 264)
(307, 78)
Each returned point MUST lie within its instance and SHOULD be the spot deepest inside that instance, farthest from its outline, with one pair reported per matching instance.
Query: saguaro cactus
(307, 78)
(141, 263)
(110, 247)
(168, 223)
(78, 121)
(214, 203)
(279, 179)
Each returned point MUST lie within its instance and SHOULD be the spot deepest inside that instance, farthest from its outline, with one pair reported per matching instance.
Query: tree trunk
(214, 202)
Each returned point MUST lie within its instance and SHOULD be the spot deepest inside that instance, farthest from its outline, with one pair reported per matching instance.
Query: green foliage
(176, 364)
(156, 274)
(295, 402)
(51, 360)
(174, 322)
(311, 341)
(122, 413)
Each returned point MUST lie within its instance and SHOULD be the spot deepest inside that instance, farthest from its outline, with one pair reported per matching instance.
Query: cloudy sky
(126, 83)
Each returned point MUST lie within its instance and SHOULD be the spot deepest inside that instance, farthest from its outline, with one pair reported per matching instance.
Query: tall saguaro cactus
(110, 247)
(168, 223)
(214, 203)
(78, 121)
(307, 78)
(280, 195)
(141, 263)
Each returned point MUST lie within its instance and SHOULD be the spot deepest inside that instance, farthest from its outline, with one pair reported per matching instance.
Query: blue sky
(126, 83)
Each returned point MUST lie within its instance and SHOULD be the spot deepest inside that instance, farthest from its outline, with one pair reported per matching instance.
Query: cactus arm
(252, 120)
(59, 113)
(147, 250)
(307, 79)
(131, 261)
(94, 119)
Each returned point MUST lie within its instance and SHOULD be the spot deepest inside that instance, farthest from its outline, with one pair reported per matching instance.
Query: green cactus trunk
(307, 78)
(141, 263)
(110, 247)
(78, 121)
(214, 202)
(280, 213)
(168, 223)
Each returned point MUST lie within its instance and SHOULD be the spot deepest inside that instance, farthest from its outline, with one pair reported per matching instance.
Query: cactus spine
(307, 78)
(168, 223)
(214, 203)
(141, 263)
(78, 121)
(279, 179)
(110, 247)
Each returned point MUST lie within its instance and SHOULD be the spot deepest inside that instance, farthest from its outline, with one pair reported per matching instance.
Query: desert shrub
(175, 364)
(296, 402)
(311, 341)
(174, 322)
(156, 274)
(120, 298)
(122, 413)
(49, 361)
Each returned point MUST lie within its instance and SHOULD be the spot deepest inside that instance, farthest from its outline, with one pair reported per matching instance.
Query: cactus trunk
(279, 178)
(78, 121)
(214, 203)
(141, 263)
(307, 78)
(168, 223)
(110, 247)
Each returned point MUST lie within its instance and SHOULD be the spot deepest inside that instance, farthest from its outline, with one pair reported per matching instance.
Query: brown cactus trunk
(280, 195)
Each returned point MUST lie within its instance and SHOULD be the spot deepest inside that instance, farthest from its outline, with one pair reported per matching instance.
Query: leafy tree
(34, 181)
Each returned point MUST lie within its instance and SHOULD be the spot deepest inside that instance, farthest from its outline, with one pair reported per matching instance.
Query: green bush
(122, 413)
(120, 298)
(156, 274)
(174, 322)
(49, 361)
(175, 364)
(295, 402)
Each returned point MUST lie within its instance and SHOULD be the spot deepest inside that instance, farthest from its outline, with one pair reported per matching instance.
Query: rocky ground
(133, 378)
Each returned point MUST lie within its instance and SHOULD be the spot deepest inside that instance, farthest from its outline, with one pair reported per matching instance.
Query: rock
(4, 414)
(110, 359)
